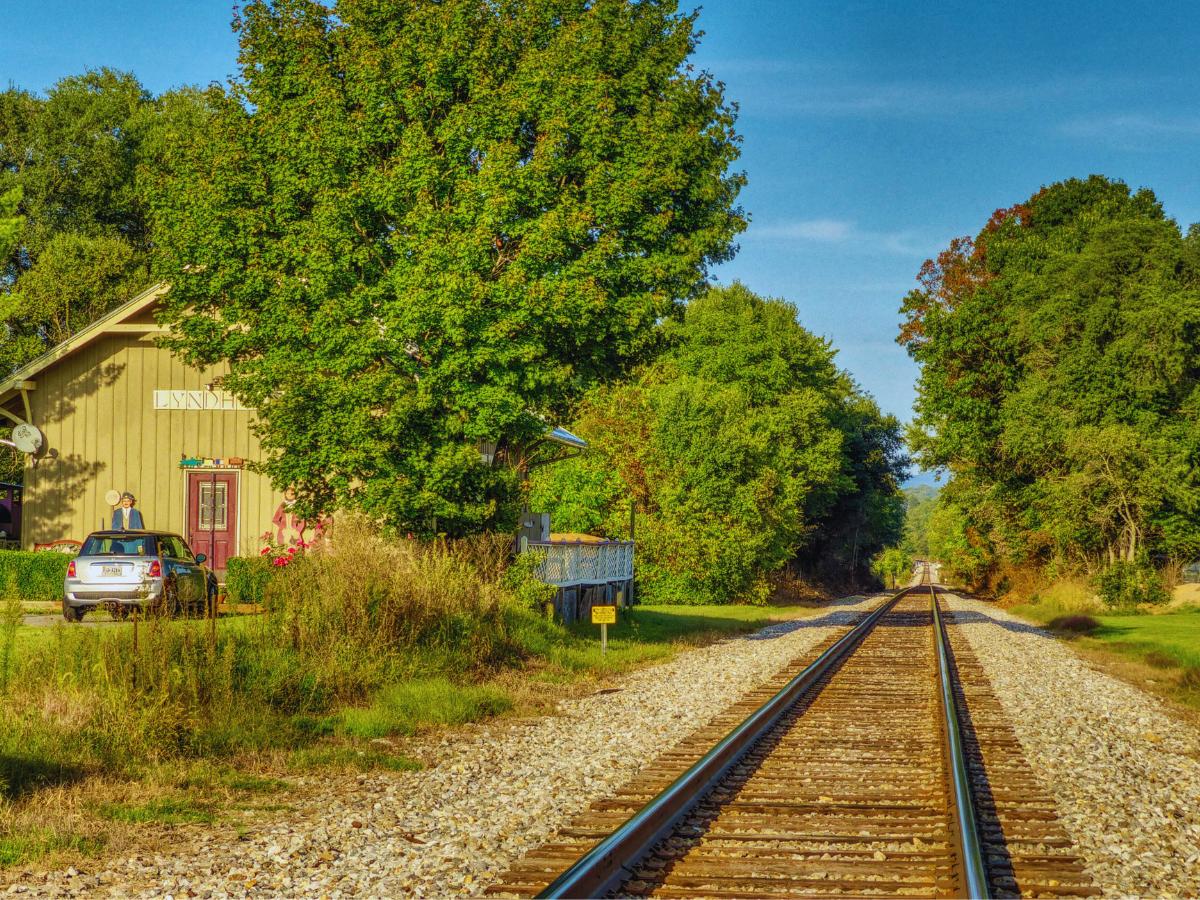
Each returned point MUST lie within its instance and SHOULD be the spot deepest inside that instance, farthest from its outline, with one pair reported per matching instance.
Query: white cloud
(845, 233)
(834, 92)
(823, 230)
(1131, 126)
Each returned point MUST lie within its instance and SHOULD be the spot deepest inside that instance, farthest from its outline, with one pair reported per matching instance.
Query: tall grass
(1059, 601)
(341, 630)
(10, 619)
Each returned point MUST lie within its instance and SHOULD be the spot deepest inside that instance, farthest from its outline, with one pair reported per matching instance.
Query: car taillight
(155, 570)
(71, 569)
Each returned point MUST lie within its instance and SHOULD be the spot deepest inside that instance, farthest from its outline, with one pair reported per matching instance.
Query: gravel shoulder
(1124, 772)
(490, 793)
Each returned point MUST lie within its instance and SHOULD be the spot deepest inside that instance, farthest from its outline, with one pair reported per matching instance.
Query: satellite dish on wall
(27, 438)
(112, 498)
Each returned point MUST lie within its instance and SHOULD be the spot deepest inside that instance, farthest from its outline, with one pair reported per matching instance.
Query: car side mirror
(200, 557)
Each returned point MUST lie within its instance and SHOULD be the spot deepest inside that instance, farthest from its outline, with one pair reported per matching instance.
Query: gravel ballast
(489, 795)
(1124, 773)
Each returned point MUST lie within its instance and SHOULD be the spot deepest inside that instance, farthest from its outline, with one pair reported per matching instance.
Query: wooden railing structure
(585, 572)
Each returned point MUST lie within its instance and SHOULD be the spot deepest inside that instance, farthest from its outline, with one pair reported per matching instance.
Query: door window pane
(214, 506)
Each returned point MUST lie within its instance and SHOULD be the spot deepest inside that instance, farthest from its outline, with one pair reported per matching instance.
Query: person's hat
(128, 496)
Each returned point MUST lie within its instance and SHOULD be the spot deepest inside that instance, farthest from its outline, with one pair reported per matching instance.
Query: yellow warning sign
(604, 615)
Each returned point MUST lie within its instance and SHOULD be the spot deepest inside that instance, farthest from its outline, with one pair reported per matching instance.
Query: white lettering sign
(196, 400)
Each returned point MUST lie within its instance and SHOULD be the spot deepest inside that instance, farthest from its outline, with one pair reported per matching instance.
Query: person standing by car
(125, 517)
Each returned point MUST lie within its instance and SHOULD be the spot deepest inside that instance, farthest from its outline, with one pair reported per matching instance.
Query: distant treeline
(744, 448)
(1059, 373)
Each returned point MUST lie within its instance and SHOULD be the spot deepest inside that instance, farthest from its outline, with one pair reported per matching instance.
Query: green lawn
(1160, 651)
(232, 761)
(650, 634)
(668, 623)
(1153, 638)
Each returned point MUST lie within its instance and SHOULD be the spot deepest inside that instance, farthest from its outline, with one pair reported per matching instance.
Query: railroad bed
(851, 792)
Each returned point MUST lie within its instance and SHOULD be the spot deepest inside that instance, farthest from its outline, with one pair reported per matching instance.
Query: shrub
(892, 567)
(1075, 624)
(33, 575)
(246, 579)
(1125, 585)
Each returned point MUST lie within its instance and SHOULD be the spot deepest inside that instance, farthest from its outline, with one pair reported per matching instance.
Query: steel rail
(610, 863)
(970, 852)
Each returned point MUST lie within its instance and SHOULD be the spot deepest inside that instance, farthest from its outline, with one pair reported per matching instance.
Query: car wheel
(73, 613)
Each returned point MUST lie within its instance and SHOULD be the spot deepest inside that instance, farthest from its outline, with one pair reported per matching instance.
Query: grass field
(1160, 652)
(1157, 639)
(188, 724)
(1158, 649)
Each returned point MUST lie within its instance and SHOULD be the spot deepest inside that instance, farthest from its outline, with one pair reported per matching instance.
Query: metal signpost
(604, 616)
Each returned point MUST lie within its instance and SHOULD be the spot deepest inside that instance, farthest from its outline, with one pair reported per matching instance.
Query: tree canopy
(80, 244)
(1059, 364)
(744, 448)
(413, 226)
(893, 566)
(919, 503)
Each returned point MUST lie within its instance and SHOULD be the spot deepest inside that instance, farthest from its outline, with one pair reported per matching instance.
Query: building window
(214, 506)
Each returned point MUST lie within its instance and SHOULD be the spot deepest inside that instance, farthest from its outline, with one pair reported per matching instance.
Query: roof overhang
(564, 437)
(20, 382)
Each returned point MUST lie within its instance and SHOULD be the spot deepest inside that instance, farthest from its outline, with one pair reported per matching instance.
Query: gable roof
(106, 324)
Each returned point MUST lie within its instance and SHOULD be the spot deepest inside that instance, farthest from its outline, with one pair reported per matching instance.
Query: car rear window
(104, 545)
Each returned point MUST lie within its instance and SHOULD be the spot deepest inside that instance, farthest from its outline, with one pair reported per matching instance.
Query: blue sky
(874, 131)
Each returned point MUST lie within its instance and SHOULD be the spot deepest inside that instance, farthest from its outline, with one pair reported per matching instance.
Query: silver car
(126, 570)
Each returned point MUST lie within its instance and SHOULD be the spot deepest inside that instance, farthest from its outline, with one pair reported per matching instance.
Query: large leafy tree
(11, 462)
(10, 221)
(75, 162)
(1059, 372)
(417, 225)
(744, 449)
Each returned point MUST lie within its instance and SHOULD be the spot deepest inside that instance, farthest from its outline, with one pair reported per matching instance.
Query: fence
(585, 574)
(564, 565)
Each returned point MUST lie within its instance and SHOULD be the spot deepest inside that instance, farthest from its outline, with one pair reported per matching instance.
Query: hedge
(246, 579)
(33, 575)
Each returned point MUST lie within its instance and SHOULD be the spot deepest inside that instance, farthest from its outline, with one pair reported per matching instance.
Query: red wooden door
(212, 516)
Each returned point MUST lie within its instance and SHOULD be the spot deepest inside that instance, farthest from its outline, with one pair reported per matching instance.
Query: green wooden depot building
(120, 413)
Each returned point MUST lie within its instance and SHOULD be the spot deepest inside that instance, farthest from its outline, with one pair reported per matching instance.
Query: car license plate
(110, 571)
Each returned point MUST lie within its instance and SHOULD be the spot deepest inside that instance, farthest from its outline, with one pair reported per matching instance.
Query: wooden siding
(96, 408)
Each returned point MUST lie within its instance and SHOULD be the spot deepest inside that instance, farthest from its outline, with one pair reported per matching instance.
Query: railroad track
(881, 767)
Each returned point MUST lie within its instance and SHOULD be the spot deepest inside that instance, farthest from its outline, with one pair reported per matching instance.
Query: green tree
(741, 446)
(919, 504)
(892, 566)
(10, 221)
(966, 555)
(867, 510)
(414, 226)
(11, 463)
(1059, 373)
(81, 246)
